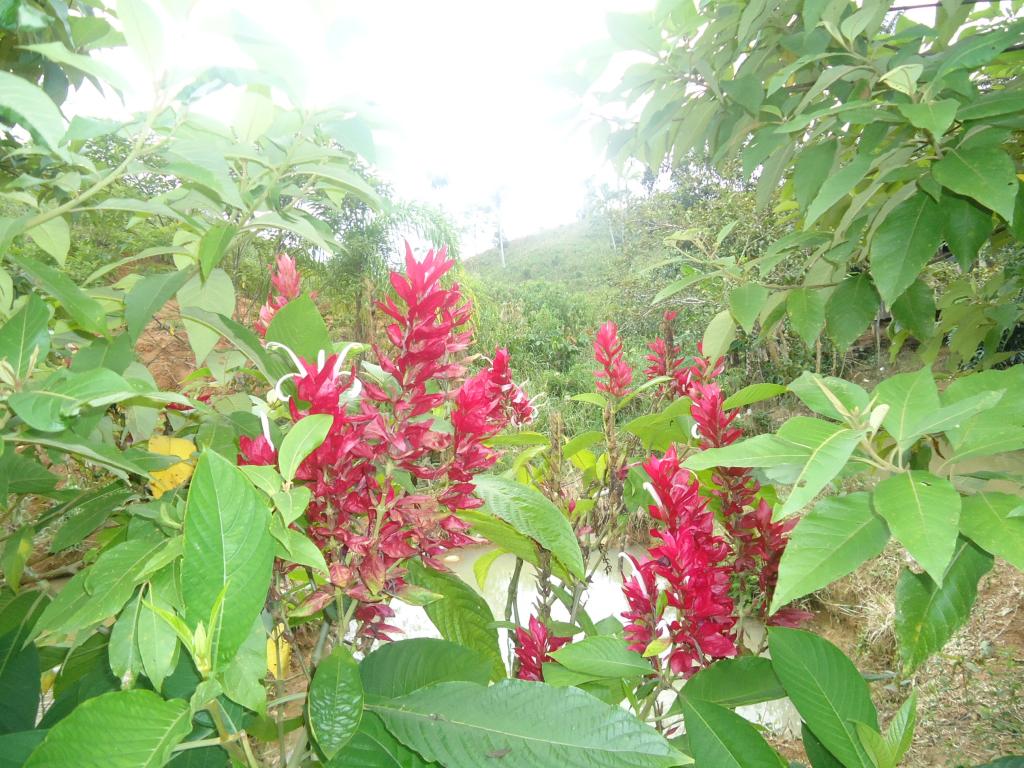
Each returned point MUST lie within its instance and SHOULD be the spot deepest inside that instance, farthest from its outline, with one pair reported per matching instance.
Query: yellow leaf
(278, 665)
(164, 480)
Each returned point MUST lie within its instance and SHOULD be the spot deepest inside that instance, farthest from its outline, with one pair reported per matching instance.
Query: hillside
(577, 256)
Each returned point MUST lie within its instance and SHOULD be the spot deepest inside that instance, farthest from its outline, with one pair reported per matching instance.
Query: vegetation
(237, 535)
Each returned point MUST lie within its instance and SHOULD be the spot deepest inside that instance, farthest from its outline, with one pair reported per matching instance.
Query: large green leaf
(88, 513)
(300, 327)
(123, 650)
(851, 307)
(228, 550)
(965, 227)
(335, 703)
(827, 447)
(912, 398)
(25, 103)
(301, 440)
(602, 656)
(987, 518)
(837, 186)
(25, 334)
(532, 514)
(915, 309)
(373, 746)
(522, 725)
(812, 168)
(719, 335)
(984, 173)
(806, 308)
(996, 429)
(927, 614)
(754, 393)
(757, 451)
(122, 729)
(156, 639)
(830, 541)
(148, 296)
(215, 294)
(213, 246)
(923, 512)
(100, 591)
(85, 310)
(462, 616)
(54, 237)
(720, 737)
(932, 116)
(827, 690)
(396, 669)
(745, 303)
(19, 684)
(736, 682)
(904, 243)
(810, 388)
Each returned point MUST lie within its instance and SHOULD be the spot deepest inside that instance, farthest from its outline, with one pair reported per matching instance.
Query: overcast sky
(462, 90)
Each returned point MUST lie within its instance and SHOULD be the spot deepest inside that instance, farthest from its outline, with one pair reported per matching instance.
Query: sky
(462, 92)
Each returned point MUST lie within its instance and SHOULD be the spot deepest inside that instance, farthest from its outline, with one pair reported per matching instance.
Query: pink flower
(615, 375)
(288, 284)
(533, 649)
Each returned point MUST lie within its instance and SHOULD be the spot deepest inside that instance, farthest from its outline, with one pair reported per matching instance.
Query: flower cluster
(533, 649)
(388, 479)
(286, 281)
(615, 376)
(758, 542)
(679, 593)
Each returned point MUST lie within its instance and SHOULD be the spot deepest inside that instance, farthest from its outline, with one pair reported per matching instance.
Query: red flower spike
(615, 375)
(285, 279)
(533, 649)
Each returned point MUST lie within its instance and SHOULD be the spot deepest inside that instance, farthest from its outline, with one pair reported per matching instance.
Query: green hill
(577, 256)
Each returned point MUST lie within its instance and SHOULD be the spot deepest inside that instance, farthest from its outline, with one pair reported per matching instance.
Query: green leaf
(720, 737)
(301, 440)
(806, 308)
(373, 746)
(156, 639)
(812, 168)
(988, 519)
(591, 398)
(581, 442)
(17, 550)
(54, 237)
(827, 448)
(900, 733)
(29, 105)
(904, 243)
(144, 33)
(754, 393)
(24, 334)
(810, 388)
(915, 309)
(86, 311)
(56, 52)
(758, 451)
(932, 116)
(965, 227)
(395, 669)
(533, 515)
(215, 294)
(928, 614)
(247, 342)
(502, 534)
(228, 551)
(827, 690)
(335, 704)
(121, 729)
(602, 656)
(19, 684)
(123, 650)
(719, 335)
(148, 296)
(521, 725)
(736, 682)
(213, 245)
(300, 327)
(65, 393)
(923, 512)
(986, 174)
(88, 513)
(16, 747)
(829, 542)
(463, 617)
(745, 303)
(242, 679)
(837, 186)
(851, 308)
(912, 398)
